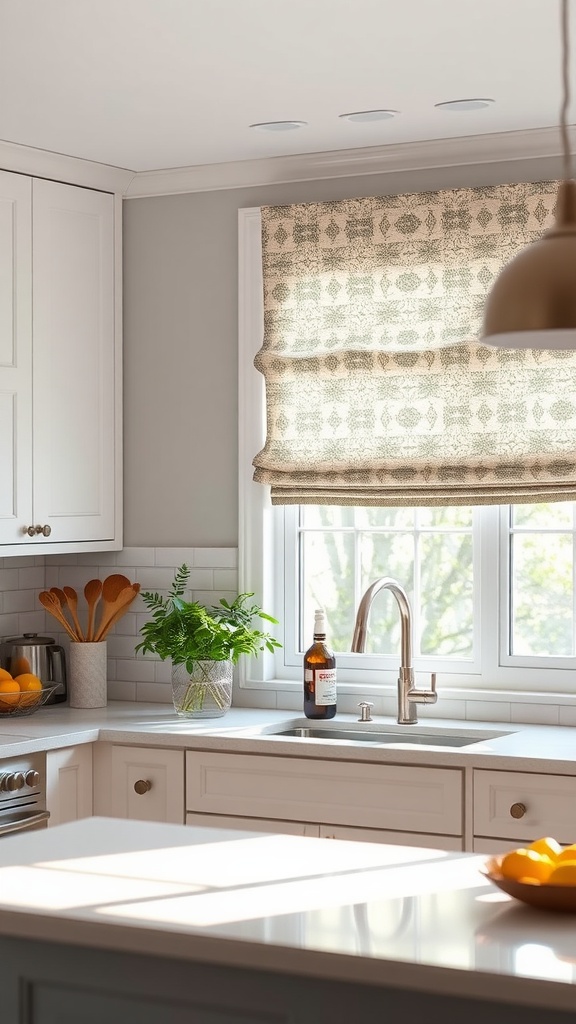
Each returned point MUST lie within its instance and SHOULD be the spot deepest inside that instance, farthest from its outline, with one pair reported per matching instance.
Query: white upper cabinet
(60, 437)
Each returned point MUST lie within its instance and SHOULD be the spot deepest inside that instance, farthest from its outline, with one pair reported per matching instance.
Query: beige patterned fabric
(377, 392)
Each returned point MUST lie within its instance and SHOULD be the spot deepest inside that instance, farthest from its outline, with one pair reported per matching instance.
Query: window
(492, 588)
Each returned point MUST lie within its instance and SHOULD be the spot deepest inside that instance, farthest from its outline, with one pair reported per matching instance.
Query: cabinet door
(74, 363)
(141, 783)
(69, 784)
(401, 798)
(15, 356)
(524, 806)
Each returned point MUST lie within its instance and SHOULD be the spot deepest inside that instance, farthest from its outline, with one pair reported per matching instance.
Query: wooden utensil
(72, 598)
(92, 593)
(62, 602)
(52, 604)
(111, 587)
(116, 609)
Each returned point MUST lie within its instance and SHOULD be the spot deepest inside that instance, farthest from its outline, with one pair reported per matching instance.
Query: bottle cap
(319, 621)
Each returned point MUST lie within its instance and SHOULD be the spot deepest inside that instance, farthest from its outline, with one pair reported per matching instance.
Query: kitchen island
(127, 922)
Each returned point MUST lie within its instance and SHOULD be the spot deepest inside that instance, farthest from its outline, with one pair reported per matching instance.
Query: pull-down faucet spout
(408, 696)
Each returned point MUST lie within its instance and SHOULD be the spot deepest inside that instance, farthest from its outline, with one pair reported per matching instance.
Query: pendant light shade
(532, 303)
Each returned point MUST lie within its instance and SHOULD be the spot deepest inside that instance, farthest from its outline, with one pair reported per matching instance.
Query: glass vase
(206, 692)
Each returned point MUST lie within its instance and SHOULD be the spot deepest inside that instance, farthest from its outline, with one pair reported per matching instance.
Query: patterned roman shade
(377, 391)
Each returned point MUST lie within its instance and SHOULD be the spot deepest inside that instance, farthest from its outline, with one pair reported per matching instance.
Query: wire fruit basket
(25, 703)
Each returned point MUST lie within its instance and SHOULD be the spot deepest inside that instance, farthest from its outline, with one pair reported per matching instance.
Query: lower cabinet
(69, 784)
(400, 804)
(512, 808)
(145, 783)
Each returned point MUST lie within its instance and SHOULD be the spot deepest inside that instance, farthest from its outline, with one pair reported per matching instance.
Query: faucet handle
(424, 696)
(365, 706)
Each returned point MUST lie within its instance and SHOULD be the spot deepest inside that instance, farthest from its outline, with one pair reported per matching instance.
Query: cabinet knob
(142, 786)
(518, 810)
(33, 531)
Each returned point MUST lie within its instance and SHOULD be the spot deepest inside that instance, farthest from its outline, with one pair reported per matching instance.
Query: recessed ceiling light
(278, 126)
(472, 104)
(369, 115)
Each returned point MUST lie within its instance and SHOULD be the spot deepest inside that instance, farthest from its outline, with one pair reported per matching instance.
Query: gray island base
(104, 921)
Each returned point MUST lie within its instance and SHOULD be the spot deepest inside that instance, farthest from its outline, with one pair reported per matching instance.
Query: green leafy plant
(187, 631)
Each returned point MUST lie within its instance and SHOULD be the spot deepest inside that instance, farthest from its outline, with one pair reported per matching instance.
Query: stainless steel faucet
(408, 696)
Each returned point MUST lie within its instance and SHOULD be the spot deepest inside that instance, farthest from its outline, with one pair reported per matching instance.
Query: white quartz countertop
(382, 915)
(522, 747)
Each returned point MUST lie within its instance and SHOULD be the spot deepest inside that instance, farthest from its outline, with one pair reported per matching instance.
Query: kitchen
(179, 298)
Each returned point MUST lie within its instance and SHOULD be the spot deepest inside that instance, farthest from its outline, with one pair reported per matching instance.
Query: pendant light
(532, 303)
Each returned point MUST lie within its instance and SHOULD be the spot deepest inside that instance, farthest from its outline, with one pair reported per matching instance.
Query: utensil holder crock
(87, 683)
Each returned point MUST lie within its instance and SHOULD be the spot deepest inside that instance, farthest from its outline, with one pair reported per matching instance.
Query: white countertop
(382, 915)
(539, 748)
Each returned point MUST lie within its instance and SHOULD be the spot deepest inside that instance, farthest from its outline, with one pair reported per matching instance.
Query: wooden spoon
(123, 601)
(92, 593)
(116, 609)
(72, 599)
(111, 588)
(52, 604)
(61, 601)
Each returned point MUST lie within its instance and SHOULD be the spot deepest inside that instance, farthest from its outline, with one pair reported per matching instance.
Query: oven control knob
(11, 782)
(32, 779)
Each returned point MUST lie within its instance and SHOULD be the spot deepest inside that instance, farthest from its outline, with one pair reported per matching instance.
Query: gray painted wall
(180, 344)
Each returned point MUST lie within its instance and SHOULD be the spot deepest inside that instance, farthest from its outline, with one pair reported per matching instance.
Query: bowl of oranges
(22, 694)
(542, 874)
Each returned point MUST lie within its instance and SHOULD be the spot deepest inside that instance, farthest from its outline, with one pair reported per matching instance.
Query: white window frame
(264, 547)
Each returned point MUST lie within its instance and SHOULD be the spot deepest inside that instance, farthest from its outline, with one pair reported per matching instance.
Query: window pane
(386, 554)
(450, 518)
(545, 515)
(385, 518)
(328, 582)
(542, 594)
(446, 607)
(315, 516)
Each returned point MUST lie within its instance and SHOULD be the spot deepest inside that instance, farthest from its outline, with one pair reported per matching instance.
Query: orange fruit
(526, 865)
(568, 853)
(4, 674)
(546, 845)
(9, 694)
(30, 685)
(564, 873)
(18, 665)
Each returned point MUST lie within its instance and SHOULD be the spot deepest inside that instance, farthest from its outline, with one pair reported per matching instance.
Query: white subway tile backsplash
(225, 579)
(154, 692)
(176, 557)
(218, 558)
(154, 577)
(136, 671)
(21, 601)
(135, 557)
(120, 689)
(9, 579)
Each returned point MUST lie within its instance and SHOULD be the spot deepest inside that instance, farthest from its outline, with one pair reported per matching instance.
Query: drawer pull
(142, 786)
(518, 810)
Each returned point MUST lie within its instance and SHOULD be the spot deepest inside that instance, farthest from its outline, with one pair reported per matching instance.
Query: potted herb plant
(203, 643)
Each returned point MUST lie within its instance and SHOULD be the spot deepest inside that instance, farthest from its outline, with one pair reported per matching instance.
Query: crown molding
(457, 152)
(42, 163)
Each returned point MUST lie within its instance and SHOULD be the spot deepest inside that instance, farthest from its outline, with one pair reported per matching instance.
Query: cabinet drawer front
(549, 802)
(378, 835)
(161, 798)
(374, 795)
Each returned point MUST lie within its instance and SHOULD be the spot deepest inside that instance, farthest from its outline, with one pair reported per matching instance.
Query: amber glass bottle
(319, 674)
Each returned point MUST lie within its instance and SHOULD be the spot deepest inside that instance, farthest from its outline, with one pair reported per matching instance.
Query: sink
(387, 737)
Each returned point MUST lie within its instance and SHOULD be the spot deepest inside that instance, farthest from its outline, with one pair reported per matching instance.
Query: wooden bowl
(547, 897)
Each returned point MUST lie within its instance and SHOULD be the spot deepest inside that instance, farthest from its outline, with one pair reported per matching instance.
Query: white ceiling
(153, 84)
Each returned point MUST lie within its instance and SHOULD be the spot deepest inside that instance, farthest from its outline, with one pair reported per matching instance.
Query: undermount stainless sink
(387, 737)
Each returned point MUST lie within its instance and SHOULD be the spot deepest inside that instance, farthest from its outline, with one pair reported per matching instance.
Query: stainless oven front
(22, 794)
